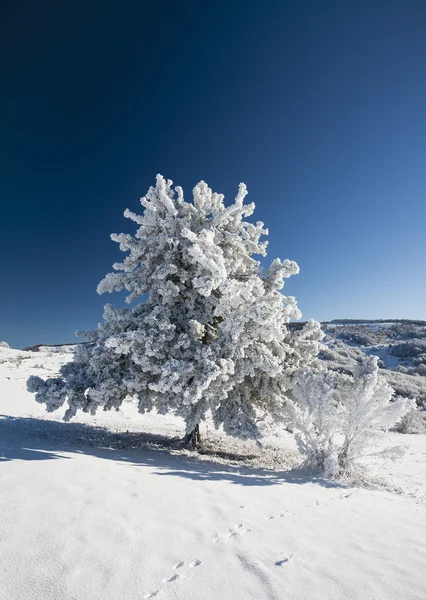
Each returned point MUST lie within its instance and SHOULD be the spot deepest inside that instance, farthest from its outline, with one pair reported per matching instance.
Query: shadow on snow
(27, 438)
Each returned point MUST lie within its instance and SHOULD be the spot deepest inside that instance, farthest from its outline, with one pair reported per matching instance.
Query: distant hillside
(52, 347)
(400, 345)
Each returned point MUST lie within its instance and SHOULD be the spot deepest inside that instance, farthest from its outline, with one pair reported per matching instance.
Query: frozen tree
(339, 419)
(208, 330)
(4, 345)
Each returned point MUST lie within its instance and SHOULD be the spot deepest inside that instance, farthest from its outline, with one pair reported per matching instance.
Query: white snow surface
(94, 509)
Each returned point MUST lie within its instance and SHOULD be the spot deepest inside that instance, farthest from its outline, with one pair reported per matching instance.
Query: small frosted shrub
(340, 419)
(412, 422)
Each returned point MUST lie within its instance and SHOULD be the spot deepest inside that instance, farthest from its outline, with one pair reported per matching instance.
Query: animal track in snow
(174, 577)
(278, 515)
(195, 563)
(170, 579)
(342, 496)
(236, 531)
(289, 559)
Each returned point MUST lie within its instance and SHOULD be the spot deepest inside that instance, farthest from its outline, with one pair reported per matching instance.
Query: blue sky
(319, 107)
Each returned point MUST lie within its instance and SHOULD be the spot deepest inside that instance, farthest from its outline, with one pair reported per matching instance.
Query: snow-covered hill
(400, 346)
(97, 509)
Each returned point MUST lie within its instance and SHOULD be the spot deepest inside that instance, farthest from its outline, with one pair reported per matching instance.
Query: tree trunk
(193, 438)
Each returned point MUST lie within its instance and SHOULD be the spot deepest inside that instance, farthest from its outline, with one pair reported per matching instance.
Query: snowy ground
(94, 510)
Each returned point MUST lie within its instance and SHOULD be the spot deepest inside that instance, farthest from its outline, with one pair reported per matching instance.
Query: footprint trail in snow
(175, 576)
(236, 531)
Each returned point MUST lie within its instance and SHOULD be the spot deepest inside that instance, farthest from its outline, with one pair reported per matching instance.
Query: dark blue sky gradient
(319, 107)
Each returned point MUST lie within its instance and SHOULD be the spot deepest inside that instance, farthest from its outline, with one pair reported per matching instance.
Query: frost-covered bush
(407, 386)
(407, 331)
(357, 335)
(339, 419)
(4, 345)
(209, 329)
(418, 368)
(412, 422)
(408, 349)
(421, 368)
(340, 357)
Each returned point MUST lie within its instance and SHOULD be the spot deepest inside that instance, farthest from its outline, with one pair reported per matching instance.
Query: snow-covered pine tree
(209, 331)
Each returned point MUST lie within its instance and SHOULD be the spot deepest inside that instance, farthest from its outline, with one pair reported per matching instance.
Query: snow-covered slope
(400, 346)
(94, 509)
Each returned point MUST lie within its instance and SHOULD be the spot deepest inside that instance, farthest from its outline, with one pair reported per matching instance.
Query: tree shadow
(28, 438)
(10, 453)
